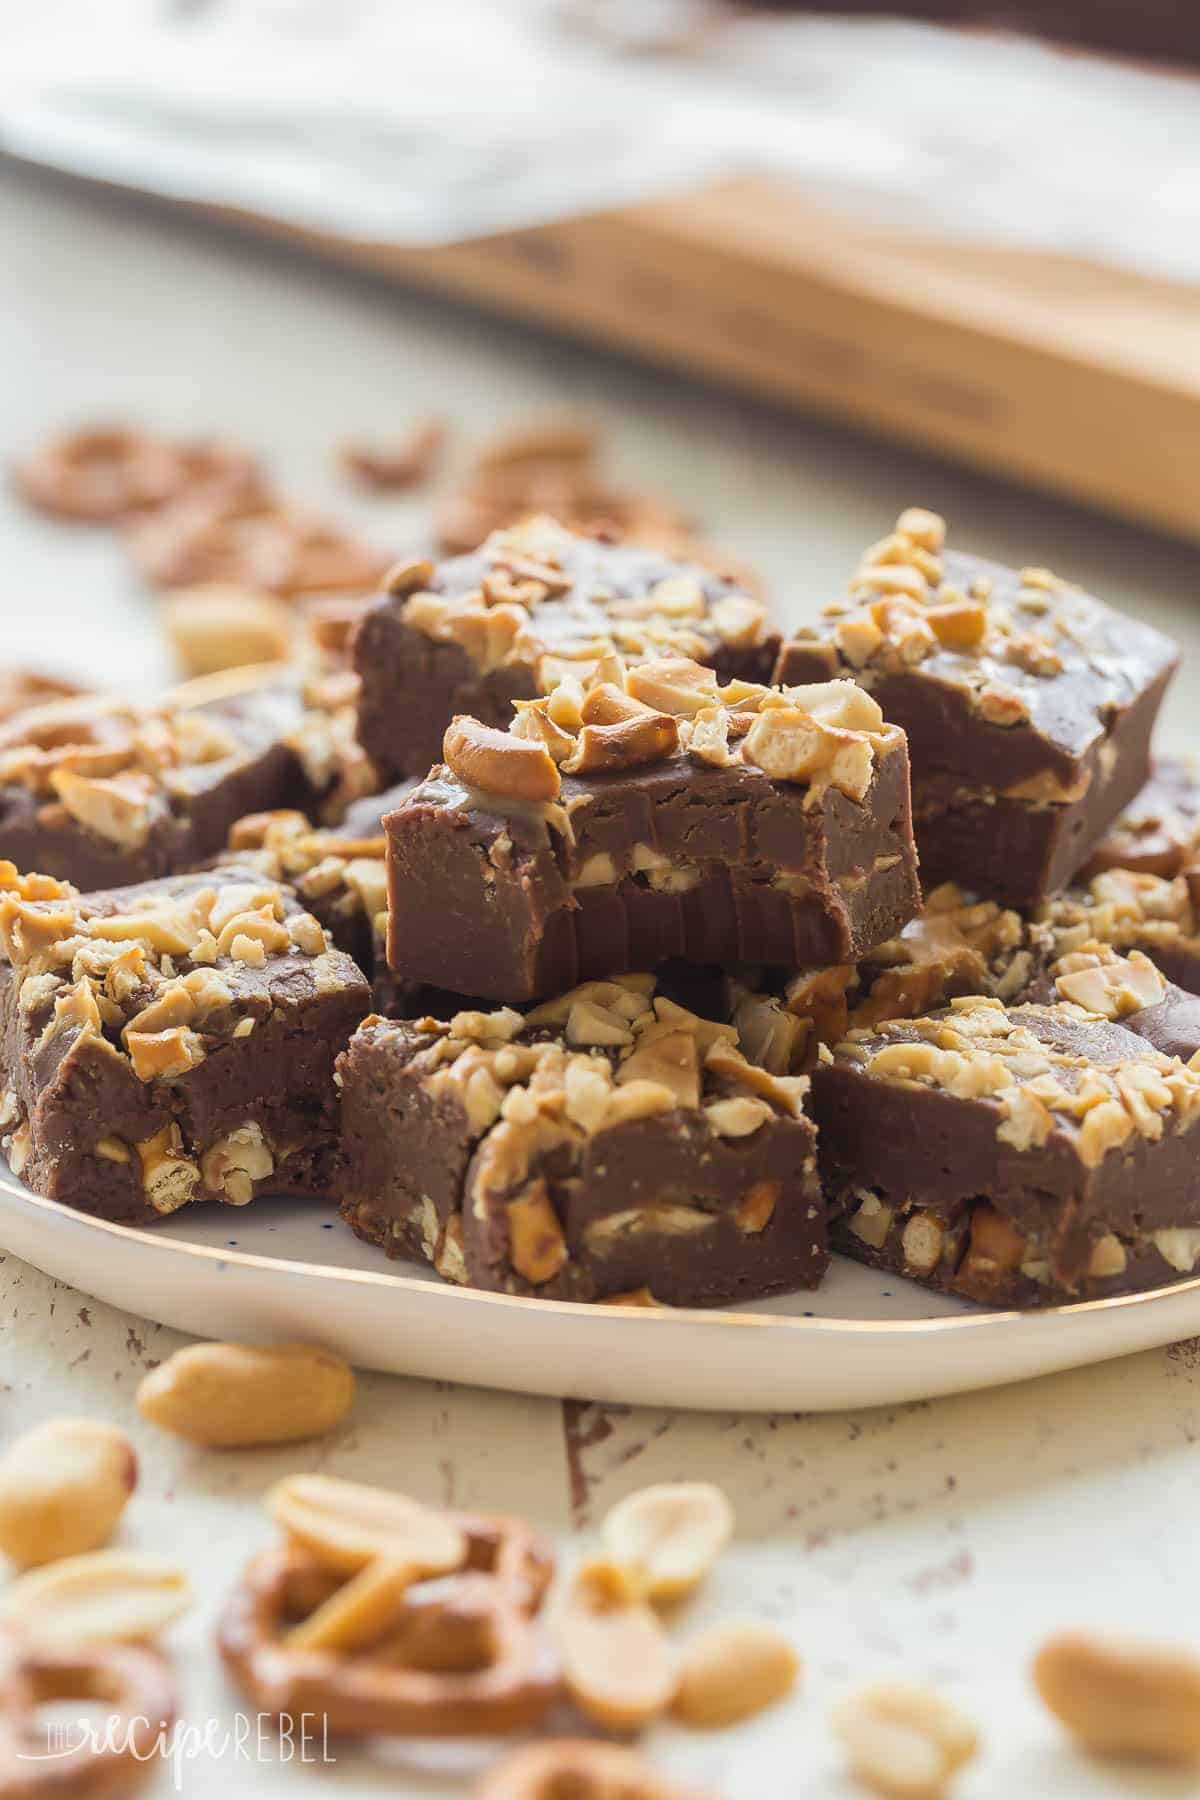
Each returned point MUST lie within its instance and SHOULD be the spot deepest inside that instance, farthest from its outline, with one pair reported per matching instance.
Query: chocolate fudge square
(956, 945)
(681, 819)
(1028, 705)
(1014, 1156)
(608, 1143)
(340, 874)
(1159, 832)
(535, 603)
(100, 793)
(169, 1042)
(1129, 989)
(1130, 910)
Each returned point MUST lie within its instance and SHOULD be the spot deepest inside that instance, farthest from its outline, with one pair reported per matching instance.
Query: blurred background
(753, 277)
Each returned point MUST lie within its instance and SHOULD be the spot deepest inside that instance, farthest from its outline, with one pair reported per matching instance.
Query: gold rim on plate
(448, 1292)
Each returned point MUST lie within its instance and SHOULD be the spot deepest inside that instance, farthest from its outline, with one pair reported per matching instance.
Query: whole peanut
(1122, 1698)
(63, 1486)
(733, 1671)
(230, 1396)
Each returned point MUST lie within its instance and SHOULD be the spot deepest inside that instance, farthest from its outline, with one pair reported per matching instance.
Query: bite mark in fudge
(1011, 1155)
(533, 605)
(98, 792)
(609, 1141)
(671, 817)
(1159, 833)
(1129, 910)
(169, 1042)
(1028, 704)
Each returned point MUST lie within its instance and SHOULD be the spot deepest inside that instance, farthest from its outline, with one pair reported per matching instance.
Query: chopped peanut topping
(825, 735)
(1042, 1070)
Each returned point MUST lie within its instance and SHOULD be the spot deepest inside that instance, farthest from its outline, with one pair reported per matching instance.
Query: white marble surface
(939, 1541)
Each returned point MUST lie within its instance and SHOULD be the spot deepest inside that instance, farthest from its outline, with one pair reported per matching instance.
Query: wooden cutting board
(1080, 380)
(1077, 379)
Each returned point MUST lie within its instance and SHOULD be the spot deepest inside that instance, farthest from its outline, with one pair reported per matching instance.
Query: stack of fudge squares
(595, 942)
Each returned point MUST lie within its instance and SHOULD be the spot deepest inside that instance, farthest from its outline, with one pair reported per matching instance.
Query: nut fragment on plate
(733, 1671)
(617, 1663)
(667, 1538)
(107, 1597)
(576, 1769)
(231, 1395)
(391, 467)
(905, 1742)
(1120, 1697)
(219, 626)
(63, 1487)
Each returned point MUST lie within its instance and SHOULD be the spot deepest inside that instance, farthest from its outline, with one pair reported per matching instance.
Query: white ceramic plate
(285, 1269)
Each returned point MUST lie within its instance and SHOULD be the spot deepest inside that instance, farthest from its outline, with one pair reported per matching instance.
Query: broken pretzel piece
(384, 1653)
(390, 468)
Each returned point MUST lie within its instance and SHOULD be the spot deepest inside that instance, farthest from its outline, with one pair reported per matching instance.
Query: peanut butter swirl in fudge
(1028, 703)
(169, 1042)
(1017, 1154)
(609, 1141)
(535, 605)
(665, 816)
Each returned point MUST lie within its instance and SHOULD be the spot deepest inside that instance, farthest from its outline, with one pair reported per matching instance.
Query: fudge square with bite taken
(607, 1143)
(532, 604)
(617, 827)
(169, 1042)
(1014, 1155)
(1028, 704)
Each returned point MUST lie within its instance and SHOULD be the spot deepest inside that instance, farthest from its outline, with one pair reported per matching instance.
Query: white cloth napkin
(421, 122)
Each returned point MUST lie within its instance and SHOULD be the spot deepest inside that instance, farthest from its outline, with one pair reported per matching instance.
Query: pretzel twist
(104, 473)
(114, 1762)
(250, 539)
(459, 1657)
